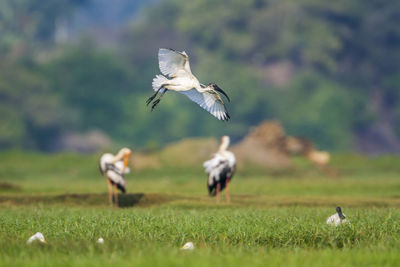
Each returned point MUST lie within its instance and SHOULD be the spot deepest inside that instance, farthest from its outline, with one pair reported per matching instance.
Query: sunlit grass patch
(224, 232)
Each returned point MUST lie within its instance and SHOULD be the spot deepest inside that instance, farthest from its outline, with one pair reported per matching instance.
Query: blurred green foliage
(30, 112)
(339, 80)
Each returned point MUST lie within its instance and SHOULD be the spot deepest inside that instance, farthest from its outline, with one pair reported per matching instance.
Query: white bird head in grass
(188, 246)
(338, 218)
(37, 237)
(100, 240)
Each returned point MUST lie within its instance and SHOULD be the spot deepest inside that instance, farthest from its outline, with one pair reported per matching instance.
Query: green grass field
(275, 218)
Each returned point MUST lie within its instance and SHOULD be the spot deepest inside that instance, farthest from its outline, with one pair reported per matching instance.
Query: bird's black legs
(155, 103)
(153, 96)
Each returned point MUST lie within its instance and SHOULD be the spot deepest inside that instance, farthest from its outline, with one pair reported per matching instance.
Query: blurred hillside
(328, 70)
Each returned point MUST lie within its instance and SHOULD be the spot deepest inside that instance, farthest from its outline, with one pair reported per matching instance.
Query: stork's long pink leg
(227, 196)
(116, 197)
(218, 191)
(110, 191)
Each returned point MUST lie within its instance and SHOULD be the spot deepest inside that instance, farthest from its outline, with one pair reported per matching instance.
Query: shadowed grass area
(8, 187)
(198, 201)
(124, 200)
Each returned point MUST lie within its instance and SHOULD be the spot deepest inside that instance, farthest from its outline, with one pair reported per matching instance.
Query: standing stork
(176, 66)
(220, 170)
(114, 169)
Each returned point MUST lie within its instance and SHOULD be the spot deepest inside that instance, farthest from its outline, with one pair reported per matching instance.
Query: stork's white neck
(120, 154)
(201, 87)
(224, 145)
(118, 157)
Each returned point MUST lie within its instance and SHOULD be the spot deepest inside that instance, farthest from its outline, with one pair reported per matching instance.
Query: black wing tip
(226, 117)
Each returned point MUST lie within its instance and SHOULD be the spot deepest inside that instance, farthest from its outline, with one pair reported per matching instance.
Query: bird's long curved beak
(222, 92)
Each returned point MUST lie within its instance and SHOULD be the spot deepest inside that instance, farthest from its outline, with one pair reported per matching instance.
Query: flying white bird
(188, 246)
(37, 237)
(220, 170)
(338, 218)
(114, 169)
(176, 66)
(100, 240)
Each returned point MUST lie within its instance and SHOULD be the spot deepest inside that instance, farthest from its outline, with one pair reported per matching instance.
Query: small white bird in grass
(188, 246)
(220, 170)
(114, 169)
(176, 66)
(100, 240)
(38, 237)
(338, 218)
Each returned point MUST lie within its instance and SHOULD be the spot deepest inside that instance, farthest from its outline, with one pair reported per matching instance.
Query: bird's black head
(213, 86)
(216, 88)
(340, 213)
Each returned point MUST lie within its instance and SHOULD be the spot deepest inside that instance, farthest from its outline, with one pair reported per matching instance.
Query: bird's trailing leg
(110, 192)
(218, 191)
(227, 196)
(155, 103)
(151, 98)
(116, 197)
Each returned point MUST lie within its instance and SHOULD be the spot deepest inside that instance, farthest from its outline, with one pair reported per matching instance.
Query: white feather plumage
(38, 237)
(188, 246)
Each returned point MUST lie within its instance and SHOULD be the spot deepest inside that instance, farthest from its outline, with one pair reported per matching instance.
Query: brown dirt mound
(267, 145)
(264, 146)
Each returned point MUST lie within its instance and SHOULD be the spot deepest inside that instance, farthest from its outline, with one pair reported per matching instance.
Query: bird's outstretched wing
(210, 101)
(173, 63)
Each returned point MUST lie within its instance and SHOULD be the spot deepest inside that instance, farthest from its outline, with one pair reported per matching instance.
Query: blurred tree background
(328, 70)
